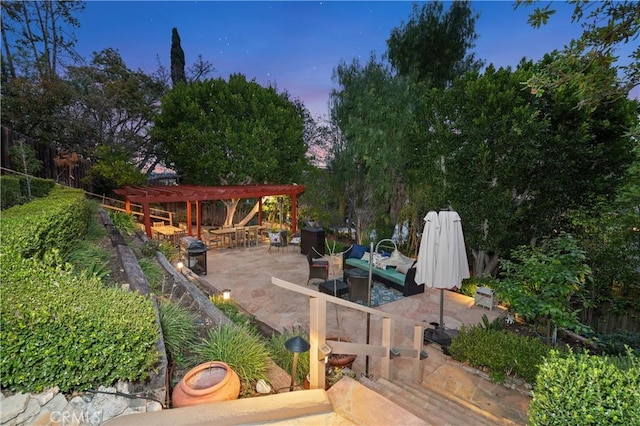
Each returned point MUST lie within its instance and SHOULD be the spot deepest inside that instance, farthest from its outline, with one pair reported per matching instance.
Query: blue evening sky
(296, 45)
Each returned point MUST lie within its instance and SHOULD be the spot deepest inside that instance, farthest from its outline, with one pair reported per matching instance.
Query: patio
(247, 272)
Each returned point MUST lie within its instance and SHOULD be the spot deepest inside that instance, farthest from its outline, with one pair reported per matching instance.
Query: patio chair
(158, 223)
(318, 269)
(175, 238)
(278, 240)
(295, 240)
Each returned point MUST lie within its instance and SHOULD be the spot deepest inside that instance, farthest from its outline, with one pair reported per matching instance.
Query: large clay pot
(341, 360)
(208, 382)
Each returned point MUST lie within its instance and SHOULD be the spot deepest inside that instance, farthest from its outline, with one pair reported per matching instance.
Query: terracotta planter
(341, 360)
(208, 382)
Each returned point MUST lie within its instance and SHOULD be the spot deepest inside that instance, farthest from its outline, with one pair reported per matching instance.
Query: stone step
(432, 408)
(401, 398)
(475, 414)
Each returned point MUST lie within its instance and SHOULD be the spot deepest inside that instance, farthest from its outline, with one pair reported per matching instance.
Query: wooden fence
(62, 167)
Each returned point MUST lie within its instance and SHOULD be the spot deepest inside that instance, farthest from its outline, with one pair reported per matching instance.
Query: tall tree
(514, 164)
(607, 25)
(433, 46)
(231, 132)
(37, 36)
(177, 59)
(375, 113)
(113, 106)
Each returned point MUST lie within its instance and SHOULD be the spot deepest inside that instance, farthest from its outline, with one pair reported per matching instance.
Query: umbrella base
(439, 335)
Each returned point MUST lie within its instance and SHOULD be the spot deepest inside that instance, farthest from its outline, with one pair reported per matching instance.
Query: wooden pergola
(193, 194)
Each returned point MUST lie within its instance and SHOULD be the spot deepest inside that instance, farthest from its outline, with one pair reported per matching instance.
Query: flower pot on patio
(208, 382)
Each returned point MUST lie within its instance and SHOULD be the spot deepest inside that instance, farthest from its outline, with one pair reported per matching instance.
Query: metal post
(441, 324)
(294, 367)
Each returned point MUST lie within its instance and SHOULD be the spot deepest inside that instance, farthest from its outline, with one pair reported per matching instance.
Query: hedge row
(14, 190)
(582, 389)
(501, 352)
(52, 222)
(57, 329)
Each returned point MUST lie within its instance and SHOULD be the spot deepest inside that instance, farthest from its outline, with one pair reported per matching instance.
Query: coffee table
(335, 287)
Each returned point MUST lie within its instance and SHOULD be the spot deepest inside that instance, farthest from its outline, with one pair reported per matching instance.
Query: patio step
(435, 409)
(480, 416)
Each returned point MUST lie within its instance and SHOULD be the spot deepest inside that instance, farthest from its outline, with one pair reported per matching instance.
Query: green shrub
(56, 221)
(616, 343)
(10, 190)
(58, 329)
(124, 222)
(501, 352)
(14, 190)
(284, 358)
(240, 347)
(233, 312)
(154, 273)
(169, 250)
(582, 389)
(89, 259)
(39, 187)
(470, 285)
(178, 328)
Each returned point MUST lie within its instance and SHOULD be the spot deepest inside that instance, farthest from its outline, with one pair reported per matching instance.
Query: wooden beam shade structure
(146, 195)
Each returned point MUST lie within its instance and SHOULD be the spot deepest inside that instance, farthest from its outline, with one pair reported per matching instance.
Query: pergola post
(189, 233)
(199, 219)
(147, 219)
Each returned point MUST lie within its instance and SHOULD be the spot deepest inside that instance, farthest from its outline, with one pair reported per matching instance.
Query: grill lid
(192, 244)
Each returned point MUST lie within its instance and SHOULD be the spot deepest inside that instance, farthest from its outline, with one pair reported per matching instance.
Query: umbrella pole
(441, 323)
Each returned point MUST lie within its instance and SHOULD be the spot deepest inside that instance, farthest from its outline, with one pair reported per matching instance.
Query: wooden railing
(386, 350)
(136, 209)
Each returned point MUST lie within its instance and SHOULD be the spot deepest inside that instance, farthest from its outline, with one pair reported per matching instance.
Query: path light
(226, 294)
(180, 265)
(297, 345)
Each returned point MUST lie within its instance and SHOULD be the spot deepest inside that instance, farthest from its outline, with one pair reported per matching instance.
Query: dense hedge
(501, 352)
(57, 329)
(582, 389)
(14, 190)
(55, 221)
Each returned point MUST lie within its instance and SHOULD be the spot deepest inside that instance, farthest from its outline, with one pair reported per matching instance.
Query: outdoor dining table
(168, 232)
(244, 235)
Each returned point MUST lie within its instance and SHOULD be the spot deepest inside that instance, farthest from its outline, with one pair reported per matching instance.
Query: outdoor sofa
(401, 278)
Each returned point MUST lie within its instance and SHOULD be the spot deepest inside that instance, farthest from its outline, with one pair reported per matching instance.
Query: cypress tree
(177, 59)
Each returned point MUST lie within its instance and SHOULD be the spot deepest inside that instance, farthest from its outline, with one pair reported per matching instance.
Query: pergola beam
(188, 194)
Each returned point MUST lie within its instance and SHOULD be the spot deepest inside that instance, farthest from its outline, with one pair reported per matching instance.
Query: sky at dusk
(295, 46)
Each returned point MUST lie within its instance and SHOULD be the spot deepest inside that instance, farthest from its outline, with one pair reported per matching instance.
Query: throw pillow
(357, 251)
(379, 261)
(366, 257)
(275, 238)
(404, 268)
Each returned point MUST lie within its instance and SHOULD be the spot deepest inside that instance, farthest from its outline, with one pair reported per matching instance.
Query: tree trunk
(231, 206)
(483, 263)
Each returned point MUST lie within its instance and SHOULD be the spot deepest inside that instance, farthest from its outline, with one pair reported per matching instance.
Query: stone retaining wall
(52, 407)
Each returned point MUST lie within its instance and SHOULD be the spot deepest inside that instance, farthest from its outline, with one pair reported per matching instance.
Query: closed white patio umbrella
(426, 266)
(442, 258)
